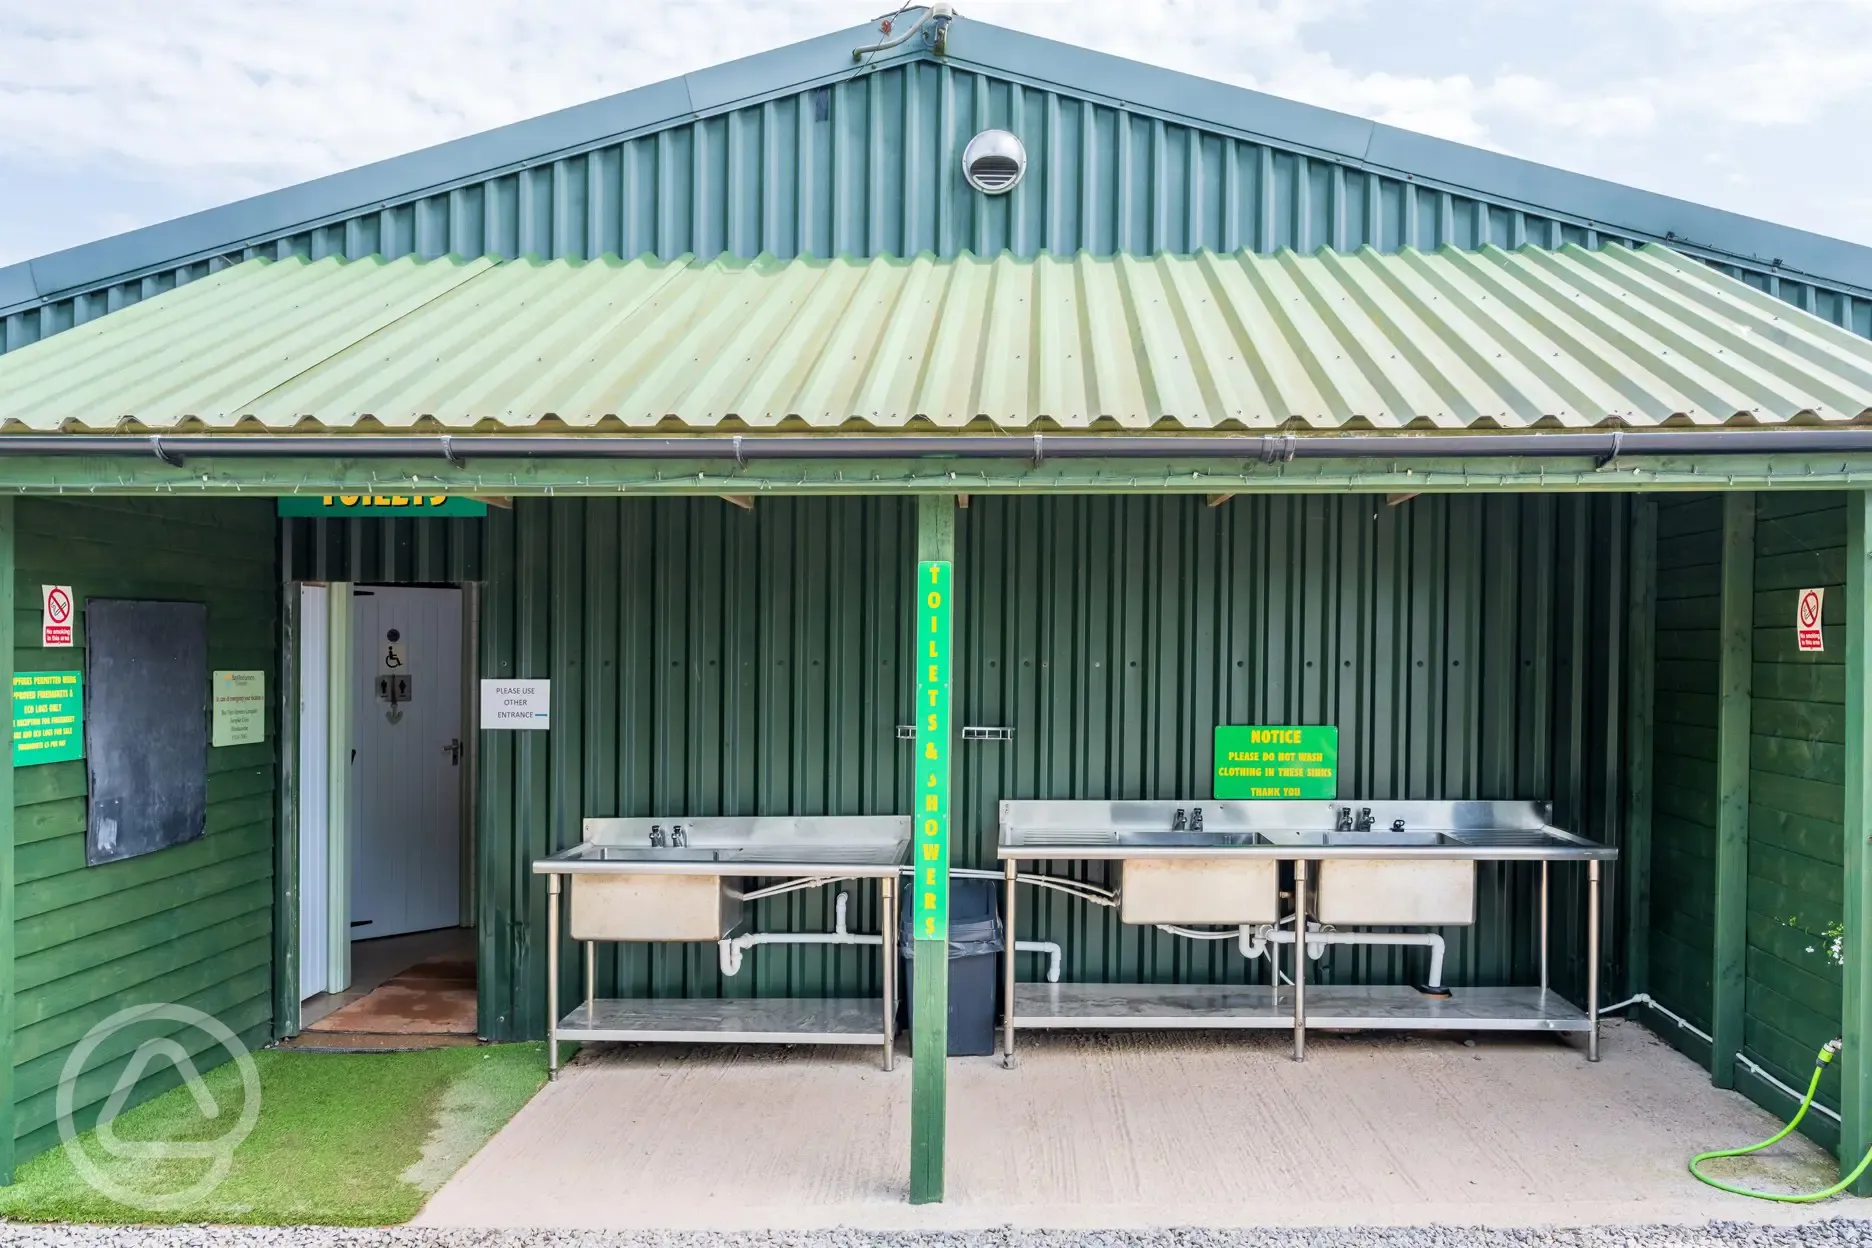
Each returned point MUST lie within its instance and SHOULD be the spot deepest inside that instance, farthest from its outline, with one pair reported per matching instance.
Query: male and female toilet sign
(1808, 634)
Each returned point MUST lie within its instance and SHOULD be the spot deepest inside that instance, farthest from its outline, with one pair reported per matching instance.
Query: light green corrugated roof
(1452, 339)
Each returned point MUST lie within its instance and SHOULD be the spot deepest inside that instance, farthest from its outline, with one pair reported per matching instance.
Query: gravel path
(1828, 1234)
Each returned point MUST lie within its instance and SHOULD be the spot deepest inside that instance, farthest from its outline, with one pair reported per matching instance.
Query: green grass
(358, 1139)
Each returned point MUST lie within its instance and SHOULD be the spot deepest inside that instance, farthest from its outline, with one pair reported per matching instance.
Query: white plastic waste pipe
(1254, 946)
(1048, 947)
(733, 948)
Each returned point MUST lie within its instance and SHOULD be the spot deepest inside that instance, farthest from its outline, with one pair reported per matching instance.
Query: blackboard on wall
(146, 726)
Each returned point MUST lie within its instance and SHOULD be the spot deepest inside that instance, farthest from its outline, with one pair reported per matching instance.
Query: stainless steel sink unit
(690, 879)
(1355, 864)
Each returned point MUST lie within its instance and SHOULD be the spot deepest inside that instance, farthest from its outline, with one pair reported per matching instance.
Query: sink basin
(1368, 838)
(1164, 838)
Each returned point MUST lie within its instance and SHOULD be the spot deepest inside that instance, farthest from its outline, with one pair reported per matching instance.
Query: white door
(315, 899)
(406, 829)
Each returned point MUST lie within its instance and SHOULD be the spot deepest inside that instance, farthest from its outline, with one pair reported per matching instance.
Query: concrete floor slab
(1133, 1130)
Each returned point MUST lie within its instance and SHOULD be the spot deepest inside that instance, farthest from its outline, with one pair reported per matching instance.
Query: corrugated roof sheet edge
(1451, 339)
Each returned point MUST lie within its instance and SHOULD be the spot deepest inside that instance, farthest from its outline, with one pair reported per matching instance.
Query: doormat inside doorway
(432, 998)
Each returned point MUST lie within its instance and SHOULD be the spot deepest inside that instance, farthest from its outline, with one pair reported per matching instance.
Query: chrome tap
(1180, 823)
(679, 839)
(1196, 820)
(1364, 821)
(1344, 823)
(656, 836)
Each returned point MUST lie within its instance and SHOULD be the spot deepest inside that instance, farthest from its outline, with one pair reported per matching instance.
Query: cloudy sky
(118, 113)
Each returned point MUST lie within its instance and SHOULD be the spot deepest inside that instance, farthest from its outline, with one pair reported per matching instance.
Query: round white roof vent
(994, 162)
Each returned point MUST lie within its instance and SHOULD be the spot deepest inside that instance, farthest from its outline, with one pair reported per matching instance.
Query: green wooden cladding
(1796, 760)
(1785, 875)
(192, 924)
(708, 660)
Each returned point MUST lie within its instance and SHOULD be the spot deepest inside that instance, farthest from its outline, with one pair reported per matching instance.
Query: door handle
(454, 750)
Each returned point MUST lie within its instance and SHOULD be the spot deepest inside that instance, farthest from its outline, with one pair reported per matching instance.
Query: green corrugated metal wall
(707, 660)
(867, 167)
(1114, 634)
(1683, 817)
(426, 550)
(1797, 724)
(191, 924)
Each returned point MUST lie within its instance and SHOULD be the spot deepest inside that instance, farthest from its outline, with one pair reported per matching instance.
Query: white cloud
(1754, 104)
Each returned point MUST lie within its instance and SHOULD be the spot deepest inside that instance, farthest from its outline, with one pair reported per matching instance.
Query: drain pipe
(1317, 940)
(733, 948)
(1274, 448)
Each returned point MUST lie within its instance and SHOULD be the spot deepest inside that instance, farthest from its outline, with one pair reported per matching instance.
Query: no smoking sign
(1808, 634)
(56, 624)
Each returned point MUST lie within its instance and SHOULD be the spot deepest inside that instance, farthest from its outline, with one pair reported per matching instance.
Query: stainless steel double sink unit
(695, 879)
(1354, 865)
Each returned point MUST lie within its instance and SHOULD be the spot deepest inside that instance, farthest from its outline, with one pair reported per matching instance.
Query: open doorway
(387, 956)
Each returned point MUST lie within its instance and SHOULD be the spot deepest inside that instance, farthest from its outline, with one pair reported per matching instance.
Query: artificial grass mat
(353, 1139)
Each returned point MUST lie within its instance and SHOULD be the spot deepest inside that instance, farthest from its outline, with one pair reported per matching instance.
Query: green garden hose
(1813, 1085)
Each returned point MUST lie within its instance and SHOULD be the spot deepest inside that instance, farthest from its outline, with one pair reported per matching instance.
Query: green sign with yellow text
(381, 505)
(930, 853)
(48, 717)
(1270, 761)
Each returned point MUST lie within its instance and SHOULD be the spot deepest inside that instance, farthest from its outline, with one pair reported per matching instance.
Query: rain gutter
(1266, 448)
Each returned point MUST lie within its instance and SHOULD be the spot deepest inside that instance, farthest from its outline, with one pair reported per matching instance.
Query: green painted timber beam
(1734, 691)
(9, 563)
(521, 477)
(1856, 1005)
(1640, 724)
(932, 661)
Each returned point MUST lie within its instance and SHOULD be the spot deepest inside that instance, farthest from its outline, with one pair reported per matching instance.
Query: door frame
(338, 673)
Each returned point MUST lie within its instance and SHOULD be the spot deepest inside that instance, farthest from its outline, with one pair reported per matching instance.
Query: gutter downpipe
(174, 450)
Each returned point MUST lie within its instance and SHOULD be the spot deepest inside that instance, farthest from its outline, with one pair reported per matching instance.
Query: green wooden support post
(1734, 687)
(1856, 1006)
(929, 853)
(1640, 726)
(8, 567)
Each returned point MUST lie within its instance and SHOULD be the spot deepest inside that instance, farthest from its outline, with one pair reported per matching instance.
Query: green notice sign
(48, 717)
(1271, 761)
(930, 844)
(391, 505)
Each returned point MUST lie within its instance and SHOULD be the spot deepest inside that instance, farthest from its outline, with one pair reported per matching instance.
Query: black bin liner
(976, 940)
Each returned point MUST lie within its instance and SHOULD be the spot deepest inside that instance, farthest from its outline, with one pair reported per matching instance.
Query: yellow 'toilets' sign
(381, 504)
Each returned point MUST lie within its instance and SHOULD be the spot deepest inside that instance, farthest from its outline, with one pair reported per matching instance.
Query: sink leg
(887, 908)
(1592, 960)
(552, 976)
(1544, 873)
(1007, 968)
(591, 981)
(1300, 958)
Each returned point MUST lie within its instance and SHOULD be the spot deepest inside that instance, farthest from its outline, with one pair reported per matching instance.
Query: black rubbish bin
(975, 943)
